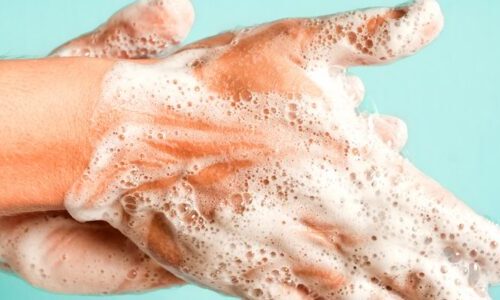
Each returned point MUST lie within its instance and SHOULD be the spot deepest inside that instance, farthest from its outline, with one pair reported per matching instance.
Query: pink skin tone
(411, 260)
(142, 30)
(240, 163)
(72, 254)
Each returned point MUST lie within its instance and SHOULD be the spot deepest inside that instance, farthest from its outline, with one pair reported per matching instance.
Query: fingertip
(380, 35)
(436, 24)
(356, 89)
(173, 23)
(144, 29)
(393, 131)
(421, 23)
(431, 18)
(183, 11)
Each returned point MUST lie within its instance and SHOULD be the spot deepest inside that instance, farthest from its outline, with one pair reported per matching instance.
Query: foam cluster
(233, 182)
(144, 29)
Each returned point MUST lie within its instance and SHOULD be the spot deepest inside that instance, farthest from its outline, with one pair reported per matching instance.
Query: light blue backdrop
(448, 94)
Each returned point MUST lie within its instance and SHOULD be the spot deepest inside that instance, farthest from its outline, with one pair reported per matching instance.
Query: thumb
(142, 30)
(54, 252)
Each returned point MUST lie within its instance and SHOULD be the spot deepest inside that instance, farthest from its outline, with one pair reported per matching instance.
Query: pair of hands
(239, 163)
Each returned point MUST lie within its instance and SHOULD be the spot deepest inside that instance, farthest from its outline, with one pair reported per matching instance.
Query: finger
(280, 280)
(144, 29)
(363, 288)
(355, 89)
(411, 276)
(284, 49)
(393, 131)
(402, 273)
(462, 236)
(376, 36)
(54, 252)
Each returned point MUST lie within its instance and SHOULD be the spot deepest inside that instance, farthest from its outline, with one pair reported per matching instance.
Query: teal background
(448, 94)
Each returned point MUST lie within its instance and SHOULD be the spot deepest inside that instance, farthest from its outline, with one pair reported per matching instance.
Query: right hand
(240, 163)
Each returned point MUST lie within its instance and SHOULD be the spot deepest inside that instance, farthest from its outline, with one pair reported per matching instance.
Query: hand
(50, 249)
(240, 163)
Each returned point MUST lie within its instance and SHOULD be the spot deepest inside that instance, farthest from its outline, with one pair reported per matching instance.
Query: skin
(48, 135)
(127, 269)
(281, 50)
(219, 223)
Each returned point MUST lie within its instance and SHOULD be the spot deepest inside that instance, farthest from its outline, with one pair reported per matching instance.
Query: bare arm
(68, 266)
(45, 113)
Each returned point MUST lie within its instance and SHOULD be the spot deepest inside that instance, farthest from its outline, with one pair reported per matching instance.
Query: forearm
(45, 112)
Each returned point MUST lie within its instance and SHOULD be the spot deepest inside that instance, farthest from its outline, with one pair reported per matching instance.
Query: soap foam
(270, 197)
(54, 252)
(144, 29)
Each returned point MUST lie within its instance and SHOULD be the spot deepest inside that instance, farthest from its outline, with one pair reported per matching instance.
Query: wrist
(45, 142)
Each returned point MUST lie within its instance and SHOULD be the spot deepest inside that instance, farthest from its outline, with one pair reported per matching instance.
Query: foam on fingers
(241, 164)
(377, 36)
(144, 29)
(56, 253)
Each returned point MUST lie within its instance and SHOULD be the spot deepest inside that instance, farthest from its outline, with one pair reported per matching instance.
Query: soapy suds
(144, 29)
(266, 188)
(54, 252)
